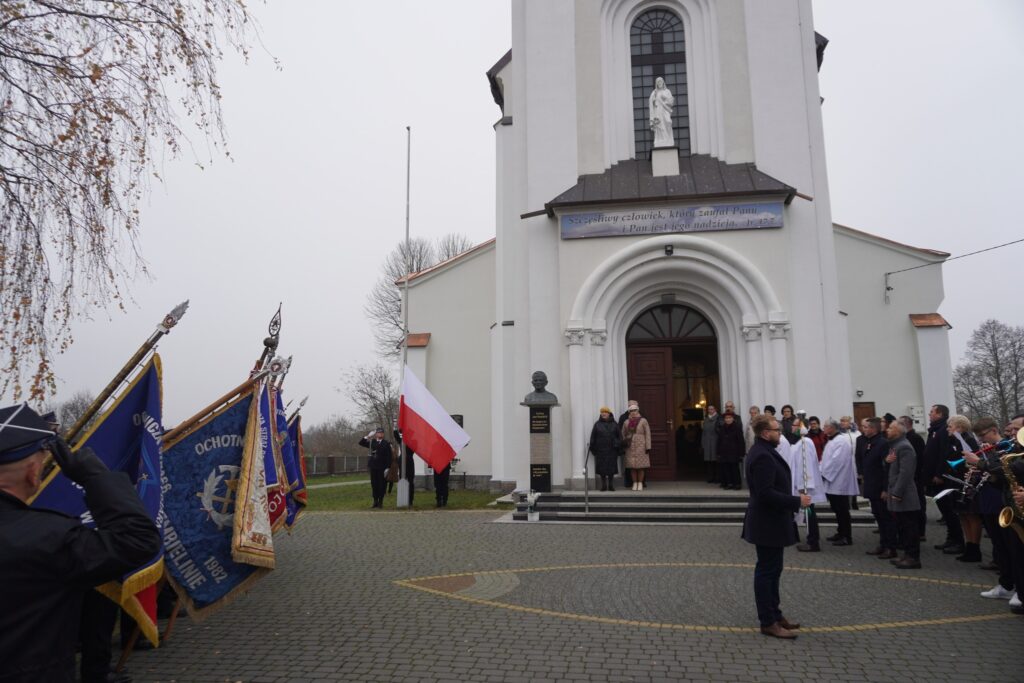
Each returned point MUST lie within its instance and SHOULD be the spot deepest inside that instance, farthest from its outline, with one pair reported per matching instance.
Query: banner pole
(169, 321)
(171, 434)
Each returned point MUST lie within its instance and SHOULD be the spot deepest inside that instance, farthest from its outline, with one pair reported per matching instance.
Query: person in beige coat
(636, 437)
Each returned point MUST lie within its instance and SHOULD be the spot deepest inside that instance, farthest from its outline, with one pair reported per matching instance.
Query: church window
(670, 323)
(658, 48)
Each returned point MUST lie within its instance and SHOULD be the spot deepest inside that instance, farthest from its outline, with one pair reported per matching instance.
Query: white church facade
(681, 267)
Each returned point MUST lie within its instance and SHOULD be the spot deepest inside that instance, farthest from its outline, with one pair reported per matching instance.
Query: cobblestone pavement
(440, 596)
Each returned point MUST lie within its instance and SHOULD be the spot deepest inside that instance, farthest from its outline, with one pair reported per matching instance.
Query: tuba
(1012, 515)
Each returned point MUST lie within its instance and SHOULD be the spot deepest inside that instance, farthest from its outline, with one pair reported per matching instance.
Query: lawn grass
(351, 498)
(336, 478)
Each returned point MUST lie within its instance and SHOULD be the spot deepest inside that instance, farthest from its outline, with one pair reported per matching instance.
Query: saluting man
(48, 560)
(381, 455)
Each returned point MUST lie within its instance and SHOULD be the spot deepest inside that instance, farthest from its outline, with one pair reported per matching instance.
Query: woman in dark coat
(731, 447)
(605, 440)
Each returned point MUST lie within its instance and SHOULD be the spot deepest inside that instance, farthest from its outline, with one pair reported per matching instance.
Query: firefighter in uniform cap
(49, 560)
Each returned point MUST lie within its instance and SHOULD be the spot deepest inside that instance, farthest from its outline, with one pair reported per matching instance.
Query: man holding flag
(48, 560)
(427, 428)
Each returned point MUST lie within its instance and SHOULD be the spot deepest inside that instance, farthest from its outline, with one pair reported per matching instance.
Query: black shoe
(834, 537)
(610, 487)
(969, 557)
(1017, 610)
(807, 548)
(954, 549)
(908, 563)
(842, 541)
(604, 487)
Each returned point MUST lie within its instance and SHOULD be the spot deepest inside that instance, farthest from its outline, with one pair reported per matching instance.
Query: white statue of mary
(661, 102)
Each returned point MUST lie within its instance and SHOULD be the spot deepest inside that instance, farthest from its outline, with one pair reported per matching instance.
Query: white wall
(456, 305)
(883, 343)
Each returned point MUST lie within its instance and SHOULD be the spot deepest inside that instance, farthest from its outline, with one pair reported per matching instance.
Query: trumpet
(975, 478)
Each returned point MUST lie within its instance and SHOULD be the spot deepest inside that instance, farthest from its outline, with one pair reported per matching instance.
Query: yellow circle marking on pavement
(413, 583)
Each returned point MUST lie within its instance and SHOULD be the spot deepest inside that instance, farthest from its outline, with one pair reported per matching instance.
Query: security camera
(668, 249)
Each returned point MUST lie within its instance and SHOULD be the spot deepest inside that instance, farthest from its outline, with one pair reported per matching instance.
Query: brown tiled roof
(418, 340)
(929, 320)
(700, 177)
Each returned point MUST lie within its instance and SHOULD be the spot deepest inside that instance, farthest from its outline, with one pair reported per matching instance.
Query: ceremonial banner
(277, 480)
(201, 475)
(427, 428)
(295, 437)
(252, 542)
(296, 484)
(126, 437)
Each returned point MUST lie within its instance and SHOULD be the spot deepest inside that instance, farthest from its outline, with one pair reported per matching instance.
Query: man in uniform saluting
(49, 560)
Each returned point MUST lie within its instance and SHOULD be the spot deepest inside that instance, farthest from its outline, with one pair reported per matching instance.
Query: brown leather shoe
(877, 551)
(785, 623)
(777, 631)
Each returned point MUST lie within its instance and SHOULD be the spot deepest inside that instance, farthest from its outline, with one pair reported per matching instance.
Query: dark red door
(650, 384)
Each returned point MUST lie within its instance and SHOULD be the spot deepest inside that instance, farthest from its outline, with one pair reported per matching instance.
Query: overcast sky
(924, 146)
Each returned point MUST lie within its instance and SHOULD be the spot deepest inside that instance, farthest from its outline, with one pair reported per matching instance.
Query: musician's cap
(379, 430)
(889, 417)
(22, 433)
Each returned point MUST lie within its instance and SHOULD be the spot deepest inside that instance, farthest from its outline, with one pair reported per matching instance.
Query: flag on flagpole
(427, 429)
(126, 437)
(294, 502)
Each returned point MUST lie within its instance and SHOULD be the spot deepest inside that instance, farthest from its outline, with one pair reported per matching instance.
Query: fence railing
(335, 464)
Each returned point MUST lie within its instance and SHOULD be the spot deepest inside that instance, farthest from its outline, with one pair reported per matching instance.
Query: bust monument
(540, 396)
(661, 102)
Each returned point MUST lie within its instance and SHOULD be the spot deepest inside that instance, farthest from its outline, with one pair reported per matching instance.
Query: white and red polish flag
(427, 429)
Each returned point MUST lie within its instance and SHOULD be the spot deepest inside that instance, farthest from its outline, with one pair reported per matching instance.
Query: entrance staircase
(666, 503)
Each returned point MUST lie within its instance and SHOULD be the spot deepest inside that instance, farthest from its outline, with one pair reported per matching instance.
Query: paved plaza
(454, 596)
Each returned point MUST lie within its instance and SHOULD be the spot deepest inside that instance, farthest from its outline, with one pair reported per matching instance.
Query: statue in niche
(661, 103)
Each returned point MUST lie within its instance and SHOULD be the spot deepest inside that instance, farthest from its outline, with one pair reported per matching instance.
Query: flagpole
(403, 492)
(169, 321)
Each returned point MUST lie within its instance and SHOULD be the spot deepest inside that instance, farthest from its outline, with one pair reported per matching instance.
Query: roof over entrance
(700, 177)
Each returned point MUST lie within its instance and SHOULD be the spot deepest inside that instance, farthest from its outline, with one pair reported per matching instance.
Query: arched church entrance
(672, 371)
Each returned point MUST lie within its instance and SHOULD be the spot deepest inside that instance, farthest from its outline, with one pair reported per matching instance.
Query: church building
(664, 234)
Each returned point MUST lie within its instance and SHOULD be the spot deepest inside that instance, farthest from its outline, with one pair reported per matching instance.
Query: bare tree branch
(990, 381)
(85, 116)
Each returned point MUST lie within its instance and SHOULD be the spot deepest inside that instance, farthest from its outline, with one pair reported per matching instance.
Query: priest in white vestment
(803, 464)
(839, 475)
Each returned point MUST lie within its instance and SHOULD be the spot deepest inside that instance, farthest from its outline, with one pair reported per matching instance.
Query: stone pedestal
(540, 402)
(664, 161)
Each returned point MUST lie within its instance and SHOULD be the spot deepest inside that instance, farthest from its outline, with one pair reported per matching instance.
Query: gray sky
(922, 103)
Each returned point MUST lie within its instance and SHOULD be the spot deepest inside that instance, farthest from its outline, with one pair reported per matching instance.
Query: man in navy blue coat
(769, 523)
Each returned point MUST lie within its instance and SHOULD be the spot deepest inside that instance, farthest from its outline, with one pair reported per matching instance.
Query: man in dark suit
(936, 451)
(876, 482)
(769, 523)
(380, 460)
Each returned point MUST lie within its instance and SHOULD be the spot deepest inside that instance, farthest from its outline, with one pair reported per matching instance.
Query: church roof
(929, 320)
(700, 177)
(448, 263)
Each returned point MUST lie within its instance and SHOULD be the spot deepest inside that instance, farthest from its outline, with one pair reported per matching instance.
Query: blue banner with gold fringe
(126, 437)
(202, 471)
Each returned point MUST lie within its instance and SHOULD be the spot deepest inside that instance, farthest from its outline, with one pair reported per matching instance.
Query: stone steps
(632, 507)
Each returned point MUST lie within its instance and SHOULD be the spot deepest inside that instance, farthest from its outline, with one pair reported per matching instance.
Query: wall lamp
(669, 249)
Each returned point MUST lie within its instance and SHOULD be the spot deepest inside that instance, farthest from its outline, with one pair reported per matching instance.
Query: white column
(755, 366)
(578, 372)
(779, 333)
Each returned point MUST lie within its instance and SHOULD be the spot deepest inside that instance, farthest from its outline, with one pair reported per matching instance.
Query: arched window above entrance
(658, 49)
(668, 323)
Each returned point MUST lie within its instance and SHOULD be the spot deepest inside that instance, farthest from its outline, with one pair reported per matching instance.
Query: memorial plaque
(540, 478)
(540, 419)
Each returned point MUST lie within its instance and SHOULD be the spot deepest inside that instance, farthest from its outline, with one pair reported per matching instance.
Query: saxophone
(1012, 514)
